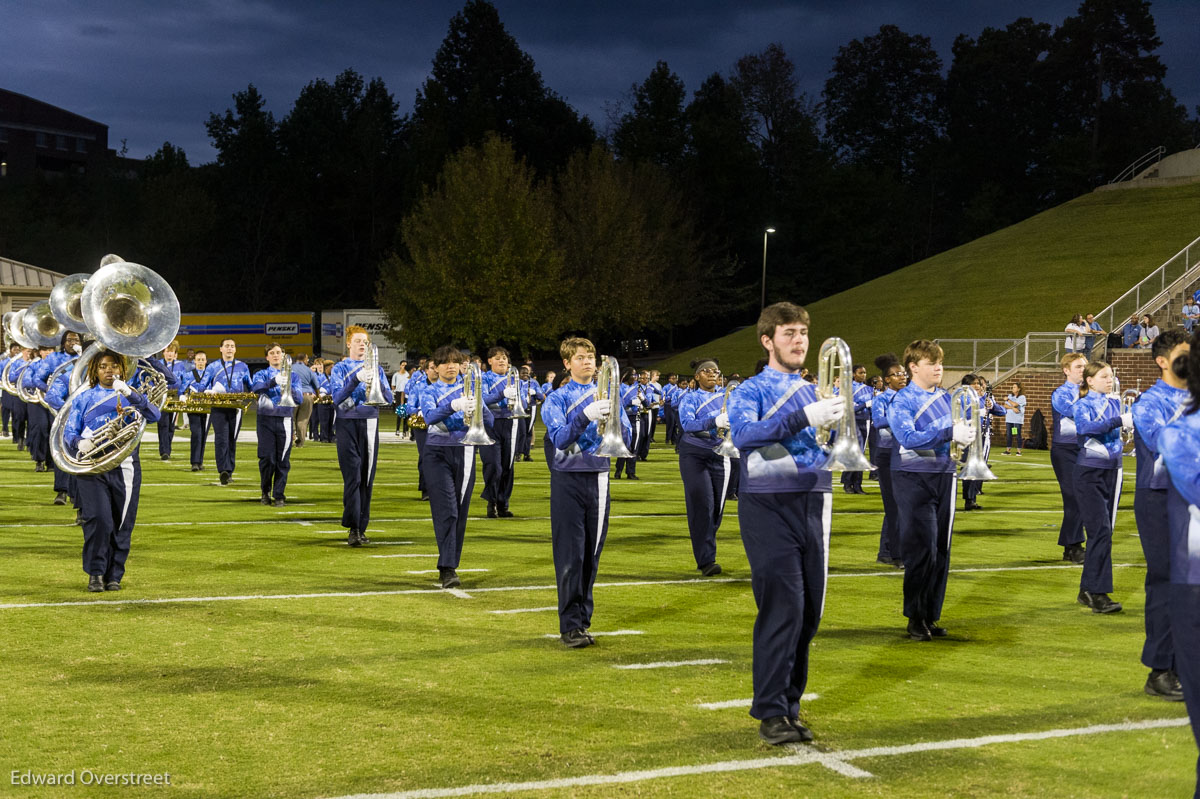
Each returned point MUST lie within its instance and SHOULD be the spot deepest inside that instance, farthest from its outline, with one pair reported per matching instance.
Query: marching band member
(174, 370)
(534, 397)
(923, 478)
(357, 427)
(37, 439)
(987, 407)
(69, 348)
(548, 383)
(654, 398)
(646, 414)
(449, 464)
(498, 458)
(20, 417)
(274, 425)
(1179, 446)
(193, 383)
(417, 384)
(705, 473)
(1097, 477)
(226, 375)
(5, 398)
(1158, 406)
(109, 500)
(894, 379)
(326, 410)
(631, 405)
(784, 510)
(863, 395)
(579, 497)
(1064, 451)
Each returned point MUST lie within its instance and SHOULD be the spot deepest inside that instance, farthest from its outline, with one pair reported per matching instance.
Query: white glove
(218, 388)
(209, 391)
(458, 404)
(963, 434)
(121, 387)
(600, 409)
(868, 404)
(1127, 420)
(364, 375)
(722, 420)
(823, 413)
(192, 389)
(637, 402)
(78, 350)
(510, 393)
(87, 433)
(86, 446)
(280, 379)
(322, 392)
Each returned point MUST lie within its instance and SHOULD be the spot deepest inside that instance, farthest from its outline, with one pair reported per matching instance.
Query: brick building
(39, 137)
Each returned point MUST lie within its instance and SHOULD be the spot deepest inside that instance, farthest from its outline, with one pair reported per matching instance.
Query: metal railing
(1152, 293)
(1152, 157)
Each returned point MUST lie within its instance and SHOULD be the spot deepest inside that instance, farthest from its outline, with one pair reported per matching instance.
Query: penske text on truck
(333, 335)
(251, 331)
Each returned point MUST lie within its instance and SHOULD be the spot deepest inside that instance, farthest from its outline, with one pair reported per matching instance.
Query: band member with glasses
(227, 374)
(357, 427)
(894, 379)
(274, 425)
(109, 500)
(579, 498)
(784, 509)
(193, 383)
(1064, 452)
(705, 473)
(449, 463)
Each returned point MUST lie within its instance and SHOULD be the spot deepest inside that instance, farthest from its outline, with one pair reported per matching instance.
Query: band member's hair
(1167, 341)
(62, 341)
(93, 369)
(494, 351)
(272, 345)
(199, 352)
(1191, 365)
(228, 338)
(1070, 358)
(969, 379)
(700, 364)
(885, 362)
(781, 313)
(173, 347)
(353, 330)
(572, 345)
(922, 348)
(1091, 370)
(447, 353)
(628, 374)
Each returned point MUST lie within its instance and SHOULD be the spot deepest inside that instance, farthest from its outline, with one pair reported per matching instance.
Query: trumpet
(726, 448)
(608, 387)
(962, 400)
(835, 365)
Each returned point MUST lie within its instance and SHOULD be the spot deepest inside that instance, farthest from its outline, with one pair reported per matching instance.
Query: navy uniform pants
(450, 479)
(579, 505)
(38, 437)
(109, 502)
(1070, 533)
(62, 481)
(498, 462)
(274, 453)
(646, 421)
(357, 449)
(889, 533)
(226, 424)
(629, 465)
(166, 432)
(855, 479)
(1150, 511)
(325, 423)
(705, 482)
(20, 422)
(419, 437)
(925, 515)
(1184, 607)
(198, 426)
(786, 537)
(5, 411)
(1097, 492)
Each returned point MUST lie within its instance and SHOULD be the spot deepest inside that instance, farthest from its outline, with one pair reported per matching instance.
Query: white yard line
(744, 702)
(436, 571)
(406, 555)
(800, 756)
(671, 664)
(524, 610)
(593, 632)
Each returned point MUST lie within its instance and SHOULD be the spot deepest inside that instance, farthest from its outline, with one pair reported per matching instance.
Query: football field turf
(253, 654)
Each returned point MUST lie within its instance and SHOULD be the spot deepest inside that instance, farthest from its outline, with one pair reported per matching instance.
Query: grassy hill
(1032, 276)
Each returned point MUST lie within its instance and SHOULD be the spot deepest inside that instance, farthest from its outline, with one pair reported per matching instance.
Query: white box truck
(333, 335)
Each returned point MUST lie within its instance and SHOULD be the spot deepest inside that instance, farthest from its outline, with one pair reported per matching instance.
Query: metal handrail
(1141, 163)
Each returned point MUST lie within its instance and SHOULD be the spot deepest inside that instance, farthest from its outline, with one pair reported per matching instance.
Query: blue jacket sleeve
(1085, 425)
(1062, 402)
(435, 410)
(904, 428)
(562, 430)
(749, 432)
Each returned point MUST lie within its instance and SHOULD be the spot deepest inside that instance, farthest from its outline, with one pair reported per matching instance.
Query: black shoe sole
(1168, 697)
(789, 736)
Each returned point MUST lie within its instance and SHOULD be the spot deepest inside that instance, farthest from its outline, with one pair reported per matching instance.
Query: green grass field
(1023, 278)
(253, 654)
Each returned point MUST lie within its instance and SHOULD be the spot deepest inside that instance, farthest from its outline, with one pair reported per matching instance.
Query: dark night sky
(154, 70)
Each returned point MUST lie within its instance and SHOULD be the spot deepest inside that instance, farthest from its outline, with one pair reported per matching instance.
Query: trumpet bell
(130, 309)
(41, 326)
(846, 456)
(726, 449)
(608, 386)
(976, 468)
(66, 301)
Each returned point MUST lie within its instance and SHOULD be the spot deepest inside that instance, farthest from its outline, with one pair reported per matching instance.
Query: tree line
(494, 211)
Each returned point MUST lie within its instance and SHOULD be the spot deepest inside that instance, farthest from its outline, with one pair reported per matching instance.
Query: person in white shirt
(399, 382)
(1076, 333)
(1191, 313)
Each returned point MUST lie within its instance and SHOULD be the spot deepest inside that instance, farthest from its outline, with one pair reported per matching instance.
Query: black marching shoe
(632, 477)
(362, 537)
(1099, 603)
(352, 538)
(972, 505)
(166, 458)
(264, 500)
(450, 578)
(491, 511)
(503, 513)
(780, 730)
(1074, 553)
(225, 478)
(95, 583)
(112, 585)
(196, 467)
(1165, 685)
(279, 502)
(917, 630)
(424, 496)
(79, 517)
(60, 498)
(710, 569)
(577, 639)
(805, 733)
(935, 631)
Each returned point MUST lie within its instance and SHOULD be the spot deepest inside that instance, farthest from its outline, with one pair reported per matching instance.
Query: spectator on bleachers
(1191, 314)
(1148, 332)
(1076, 333)
(1130, 333)
(1094, 329)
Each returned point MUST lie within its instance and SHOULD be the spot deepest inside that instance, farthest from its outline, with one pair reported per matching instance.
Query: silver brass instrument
(16, 330)
(29, 395)
(726, 448)
(286, 400)
(964, 407)
(375, 397)
(1128, 397)
(41, 326)
(835, 366)
(131, 311)
(66, 301)
(477, 435)
(513, 378)
(608, 387)
(10, 378)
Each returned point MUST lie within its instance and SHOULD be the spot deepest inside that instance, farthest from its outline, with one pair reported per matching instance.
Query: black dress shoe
(805, 733)
(779, 730)
(577, 639)
(710, 569)
(95, 583)
(362, 537)
(917, 630)
(491, 511)
(935, 631)
(1074, 553)
(225, 478)
(1099, 603)
(424, 496)
(166, 458)
(1165, 685)
(971, 506)
(60, 498)
(352, 538)
(279, 502)
(264, 500)
(79, 517)
(112, 585)
(195, 468)
(632, 477)
(450, 579)
(504, 513)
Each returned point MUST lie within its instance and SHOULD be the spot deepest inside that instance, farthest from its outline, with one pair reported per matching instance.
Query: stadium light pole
(766, 233)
